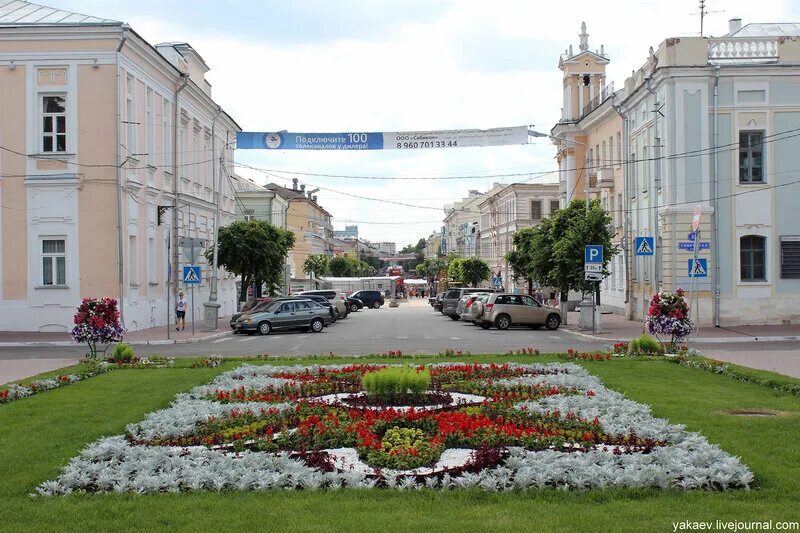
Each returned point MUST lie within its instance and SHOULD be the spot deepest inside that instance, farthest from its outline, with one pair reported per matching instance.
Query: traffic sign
(696, 218)
(593, 276)
(192, 247)
(593, 253)
(645, 245)
(698, 268)
(497, 281)
(191, 275)
(592, 267)
(689, 246)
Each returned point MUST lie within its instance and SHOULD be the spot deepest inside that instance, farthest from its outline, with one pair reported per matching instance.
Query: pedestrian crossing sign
(191, 275)
(698, 268)
(644, 245)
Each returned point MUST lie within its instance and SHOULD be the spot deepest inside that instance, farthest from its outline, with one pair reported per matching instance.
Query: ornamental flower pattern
(97, 322)
(266, 427)
(668, 314)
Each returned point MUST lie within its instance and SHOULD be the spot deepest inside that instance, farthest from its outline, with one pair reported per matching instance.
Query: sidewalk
(142, 337)
(617, 328)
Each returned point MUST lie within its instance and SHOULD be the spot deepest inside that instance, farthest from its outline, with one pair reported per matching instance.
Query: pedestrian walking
(552, 297)
(180, 312)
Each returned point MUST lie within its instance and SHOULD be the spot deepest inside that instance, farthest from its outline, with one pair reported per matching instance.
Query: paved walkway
(159, 335)
(617, 328)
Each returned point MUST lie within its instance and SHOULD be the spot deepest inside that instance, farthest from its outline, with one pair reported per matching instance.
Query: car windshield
(453, 293)
(260, 306)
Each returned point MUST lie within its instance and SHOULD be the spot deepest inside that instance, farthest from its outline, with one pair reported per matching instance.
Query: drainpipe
(125, 28)
(656, 187)
(175, 178)
(211, 315)
(715, 214)
(626, 212)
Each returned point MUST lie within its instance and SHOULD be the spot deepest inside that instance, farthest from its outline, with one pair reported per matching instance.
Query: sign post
(644, 247)
(593, 271)
(696, 215)
(191, 277)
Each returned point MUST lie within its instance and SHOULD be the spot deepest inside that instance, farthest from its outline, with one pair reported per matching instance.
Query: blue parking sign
(593, 253)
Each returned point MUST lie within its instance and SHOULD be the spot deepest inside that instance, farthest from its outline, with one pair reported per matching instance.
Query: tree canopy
(255, 250)
(474, 270)
(346, 266)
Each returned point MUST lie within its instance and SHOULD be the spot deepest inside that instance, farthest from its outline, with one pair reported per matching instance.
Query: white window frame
(151, 260)
(130, 115)
(149, 127)
(133, 261)
(166, 138)
(54, 133)
(53, 256)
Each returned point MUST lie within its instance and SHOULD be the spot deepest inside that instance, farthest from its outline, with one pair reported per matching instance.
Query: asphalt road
(413, 327)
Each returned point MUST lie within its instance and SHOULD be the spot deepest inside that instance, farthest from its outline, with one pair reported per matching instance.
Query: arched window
(752, 253)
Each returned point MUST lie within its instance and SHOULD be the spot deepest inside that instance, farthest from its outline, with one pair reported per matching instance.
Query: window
(790, 257)
(611, 150)
(752, 250)
(597, 156)
(166, 134)
(130, 114)
(54, 262)
(586, 80)
(619, 148)
(151, 260)
(619, 209)
(54, 124)
(605, 154)
(536, 209)
(554, 205)
(751, 157)
(133, 270)
(149, 127)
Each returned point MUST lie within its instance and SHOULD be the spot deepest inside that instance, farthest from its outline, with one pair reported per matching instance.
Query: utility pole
(211, 313)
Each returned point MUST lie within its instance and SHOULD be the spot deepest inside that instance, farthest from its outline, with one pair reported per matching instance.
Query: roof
(19, 12)
(771, 29)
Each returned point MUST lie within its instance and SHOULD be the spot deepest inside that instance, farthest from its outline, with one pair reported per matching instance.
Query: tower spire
(584, 38)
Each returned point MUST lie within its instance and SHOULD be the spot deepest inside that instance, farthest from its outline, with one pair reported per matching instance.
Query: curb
(132, 343)
(699, 340)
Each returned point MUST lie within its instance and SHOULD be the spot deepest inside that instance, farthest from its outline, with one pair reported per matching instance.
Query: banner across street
(405, 140)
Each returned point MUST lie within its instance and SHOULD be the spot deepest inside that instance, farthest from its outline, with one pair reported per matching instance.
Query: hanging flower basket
(97, 322)
(668, 314)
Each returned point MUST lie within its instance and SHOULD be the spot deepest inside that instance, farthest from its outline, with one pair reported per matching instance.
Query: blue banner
(285, 140)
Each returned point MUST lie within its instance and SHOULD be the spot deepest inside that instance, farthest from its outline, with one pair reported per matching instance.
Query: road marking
(555, 337)
(402, 338)
(455, 338)
(248, 338)
(223, 339)
(278, 337)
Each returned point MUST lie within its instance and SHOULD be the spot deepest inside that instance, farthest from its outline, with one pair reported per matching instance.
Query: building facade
(349, 232)
(503, 213)
(709, 126)
(113, 150)
(589, 146)
(462, 223)
(254, 202)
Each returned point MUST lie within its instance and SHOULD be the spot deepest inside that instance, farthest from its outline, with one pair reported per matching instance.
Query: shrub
(394, 381)
(647, 344)
(123, 353)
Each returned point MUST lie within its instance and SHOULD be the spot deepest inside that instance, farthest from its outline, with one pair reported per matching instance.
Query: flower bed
(504, 427)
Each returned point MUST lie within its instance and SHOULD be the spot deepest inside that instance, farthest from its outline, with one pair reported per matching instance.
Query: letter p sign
(593, 253)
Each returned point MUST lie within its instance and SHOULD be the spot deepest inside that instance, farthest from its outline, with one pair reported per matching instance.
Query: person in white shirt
(180, 312)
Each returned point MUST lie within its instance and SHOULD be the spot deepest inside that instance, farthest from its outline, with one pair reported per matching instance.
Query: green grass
(38, 435)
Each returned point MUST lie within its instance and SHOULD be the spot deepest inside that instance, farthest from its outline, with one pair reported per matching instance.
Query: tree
(419, 248)
(316, 265)
(342, 266)
(474, 270)
(255, 250)
(454, 271)
(552, 253)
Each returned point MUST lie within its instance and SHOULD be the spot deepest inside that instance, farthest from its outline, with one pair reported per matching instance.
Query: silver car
(504, 309)
(464, 308)
(286, 314)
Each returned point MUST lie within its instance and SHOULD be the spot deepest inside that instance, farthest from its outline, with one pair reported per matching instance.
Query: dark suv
(373, 299)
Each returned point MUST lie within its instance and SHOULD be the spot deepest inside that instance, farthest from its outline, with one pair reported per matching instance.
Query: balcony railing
(595, 102)
(742, 49)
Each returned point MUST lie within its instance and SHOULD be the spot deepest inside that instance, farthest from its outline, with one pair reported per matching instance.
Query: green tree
(528, 242)
(454, 271)
(343, 266)
(255, 250)
(418, 248)
(474, 270)
(316, 265)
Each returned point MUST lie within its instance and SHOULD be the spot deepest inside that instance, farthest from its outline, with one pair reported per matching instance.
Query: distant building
(349, 232)
(462, 223)
(254, 202)
(385, 248)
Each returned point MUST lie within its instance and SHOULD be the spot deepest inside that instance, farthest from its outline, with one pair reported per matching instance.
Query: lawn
(38, 435)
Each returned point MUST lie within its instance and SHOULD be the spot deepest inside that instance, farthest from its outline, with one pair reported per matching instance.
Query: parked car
(354, 304)
(464, 308)
(335, 297)
(248, 307)
(504, 309)
(451, 297)
(321, 300)
(372, 299)
(294, 313)
(437, 303)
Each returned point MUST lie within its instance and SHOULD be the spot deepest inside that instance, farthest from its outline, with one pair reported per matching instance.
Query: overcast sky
(373, 65)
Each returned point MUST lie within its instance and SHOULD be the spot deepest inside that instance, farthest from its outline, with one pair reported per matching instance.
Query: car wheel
(376, 305)
(454, 317)
(264, 328)
(552, 322)
(502, 322)
(336, 314)
(486, 325)
(317, 325)
(353, 308)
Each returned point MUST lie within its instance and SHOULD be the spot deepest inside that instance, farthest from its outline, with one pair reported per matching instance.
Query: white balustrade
(742, 49)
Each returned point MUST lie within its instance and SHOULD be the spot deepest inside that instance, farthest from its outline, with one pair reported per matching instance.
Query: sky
(382, 65)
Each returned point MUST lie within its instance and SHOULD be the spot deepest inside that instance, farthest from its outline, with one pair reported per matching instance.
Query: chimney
(294, 184)
(303, 189)
(734, 25)
(314, 198)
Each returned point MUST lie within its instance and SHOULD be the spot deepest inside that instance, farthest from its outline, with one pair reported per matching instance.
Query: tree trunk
(243, 291)
(530, 285)
(564, 298)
